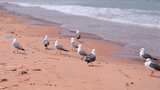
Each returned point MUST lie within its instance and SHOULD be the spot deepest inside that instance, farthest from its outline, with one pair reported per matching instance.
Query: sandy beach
(41, 69)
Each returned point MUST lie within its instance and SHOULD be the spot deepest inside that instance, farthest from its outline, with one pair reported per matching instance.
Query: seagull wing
(18, 46)
(46, 43)
(60, 47)
(83, 53)
(146, 55)
(155, 66)
(74, 45)
(90, 58)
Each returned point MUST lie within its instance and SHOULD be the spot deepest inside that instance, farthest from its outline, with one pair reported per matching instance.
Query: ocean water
(134, 23)
(140, 12)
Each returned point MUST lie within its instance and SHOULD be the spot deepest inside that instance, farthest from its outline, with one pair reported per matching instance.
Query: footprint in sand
(37, 69)
(3, 64)
(23, 72)
(2, 88)
(124, 74)
(128, 84)
(14, 33)
(3, 80)
(32, 83)
(15, 85)
(48, 84)
(14, 69)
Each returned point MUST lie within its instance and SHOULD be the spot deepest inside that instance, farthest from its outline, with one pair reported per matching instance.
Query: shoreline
(27, 20)
(130, 36)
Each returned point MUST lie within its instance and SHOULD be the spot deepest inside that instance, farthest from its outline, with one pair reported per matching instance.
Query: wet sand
(41, 69)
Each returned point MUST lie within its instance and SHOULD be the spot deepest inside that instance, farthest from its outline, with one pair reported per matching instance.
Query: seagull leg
(90, 64)
(17, 51)
(75, 50)
(71, 48)
(60, 52)
(56, 51)
(82, 58)
(152, 72)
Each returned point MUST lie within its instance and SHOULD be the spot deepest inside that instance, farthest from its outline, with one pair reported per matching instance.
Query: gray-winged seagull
(73, 44)
(91, 57)
(45, 42)
(17, 45)
(81, 52)
(59, 46)
(78, 35)
(152, 65)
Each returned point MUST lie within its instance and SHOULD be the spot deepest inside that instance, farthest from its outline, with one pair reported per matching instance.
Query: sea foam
(127, 16)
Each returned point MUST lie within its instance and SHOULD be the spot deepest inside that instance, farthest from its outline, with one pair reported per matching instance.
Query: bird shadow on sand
(22, 53)
(50, 49)
(94, 65)
(65, 54)
(156, 76)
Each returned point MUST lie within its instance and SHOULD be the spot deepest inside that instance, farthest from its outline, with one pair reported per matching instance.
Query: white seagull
(73, 44)
(17, 45)
(145, 55)
(91, 57)
(81, 52)
(45, 42)
(59, 46)
(152, 66)
(78, 35)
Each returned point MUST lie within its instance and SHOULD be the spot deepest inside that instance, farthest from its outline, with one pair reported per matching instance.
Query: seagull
(45, 42)
(81, 52)
(91, 57)
(59, 46)
(78, 35)
(74, 45)
(145, 55)
(17, 45)
(152, 66)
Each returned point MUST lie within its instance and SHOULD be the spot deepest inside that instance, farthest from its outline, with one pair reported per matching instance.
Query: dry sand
(41, 69)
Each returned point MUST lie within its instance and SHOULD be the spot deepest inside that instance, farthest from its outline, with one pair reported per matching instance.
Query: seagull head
(77, 31)
(72, 40)
(14, 40)
(142, 50)
(45, 37)
(94, 52)
(56, 43)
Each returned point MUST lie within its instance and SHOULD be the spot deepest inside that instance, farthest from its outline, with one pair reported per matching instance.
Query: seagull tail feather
(155, 58)
(65, 50)
(22, 49)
